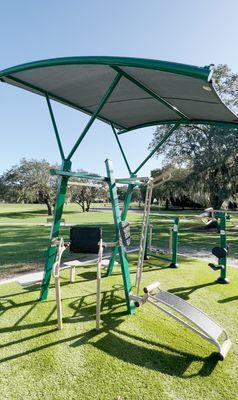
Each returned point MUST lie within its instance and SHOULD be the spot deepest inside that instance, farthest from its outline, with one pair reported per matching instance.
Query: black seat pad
(219, 252)
(85, 239)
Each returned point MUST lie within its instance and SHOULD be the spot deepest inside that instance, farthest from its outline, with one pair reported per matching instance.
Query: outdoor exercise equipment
(82, 240)
(188, 315)
(208, 217)
(221, 252)
(151, 185)
(126, 93)
(172, 253)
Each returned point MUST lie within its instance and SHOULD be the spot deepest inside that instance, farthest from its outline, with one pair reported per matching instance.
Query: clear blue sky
(188, 31)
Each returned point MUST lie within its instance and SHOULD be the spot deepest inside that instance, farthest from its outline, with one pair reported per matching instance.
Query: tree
(174, 190)
(208, 152)
(84, 192)
(29, 182)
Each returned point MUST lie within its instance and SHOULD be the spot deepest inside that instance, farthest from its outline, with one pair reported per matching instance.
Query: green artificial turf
(146, 355)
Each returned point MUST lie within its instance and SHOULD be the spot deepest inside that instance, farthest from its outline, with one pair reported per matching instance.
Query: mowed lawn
(24, 233)
(146, 355)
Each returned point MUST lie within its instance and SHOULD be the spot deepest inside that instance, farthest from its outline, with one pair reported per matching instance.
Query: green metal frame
(64, 175)
(165, 66)
(120, 248)
(223, 243)
(116, 64)
(175, 240)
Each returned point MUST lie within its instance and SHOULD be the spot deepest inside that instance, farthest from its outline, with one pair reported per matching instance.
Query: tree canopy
(207, 153)
(30, 182)
(84, 192)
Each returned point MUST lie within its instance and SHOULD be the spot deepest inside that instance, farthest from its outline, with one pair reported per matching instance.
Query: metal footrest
(215, 267)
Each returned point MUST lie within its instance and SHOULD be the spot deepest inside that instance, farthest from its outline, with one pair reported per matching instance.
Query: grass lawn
(147, 355)
(24, 236)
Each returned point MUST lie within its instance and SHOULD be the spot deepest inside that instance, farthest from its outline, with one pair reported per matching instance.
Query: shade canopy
(145, 92)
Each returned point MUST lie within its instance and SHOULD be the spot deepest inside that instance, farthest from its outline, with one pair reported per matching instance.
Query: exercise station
(117, 286)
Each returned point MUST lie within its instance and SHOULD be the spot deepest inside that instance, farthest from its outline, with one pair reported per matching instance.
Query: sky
(186, 31)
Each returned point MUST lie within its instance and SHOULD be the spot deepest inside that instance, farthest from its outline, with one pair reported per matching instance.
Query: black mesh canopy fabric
(148, 92)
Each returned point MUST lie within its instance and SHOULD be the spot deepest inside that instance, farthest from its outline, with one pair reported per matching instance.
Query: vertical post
(121, 149)
(223, 244)
(121, 249)
(98, 298)
(170, 242)
(148, 240)
(52, 249)
(175, 243)
(150, 237)
(123, 218)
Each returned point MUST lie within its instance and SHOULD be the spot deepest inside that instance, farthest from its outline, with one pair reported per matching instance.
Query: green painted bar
(60, 99)
(52, 250)
(223, 244)
(127, 182)
(228, 125)
(95, 114)
(175, 243)
(122, 254)
(121, 149)
(203, 73)
(123, 218)
(85, 175)
(151, 93)
(55, 128)
(166, 136)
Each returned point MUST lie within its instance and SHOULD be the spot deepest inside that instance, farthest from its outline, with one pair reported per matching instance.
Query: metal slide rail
(188, 315)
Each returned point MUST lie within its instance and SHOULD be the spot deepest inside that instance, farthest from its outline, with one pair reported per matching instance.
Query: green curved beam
(203, 73)
(228, 125)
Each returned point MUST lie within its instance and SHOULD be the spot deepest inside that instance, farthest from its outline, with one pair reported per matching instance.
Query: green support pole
(121, 249)
(123, 218)
(161, 142)
(95, 114)
(223, 244)
(121, 149)
(55, 127)
(174, 263)
(52, 249)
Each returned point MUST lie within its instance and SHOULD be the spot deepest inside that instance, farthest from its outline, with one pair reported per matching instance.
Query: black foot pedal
(215, 267)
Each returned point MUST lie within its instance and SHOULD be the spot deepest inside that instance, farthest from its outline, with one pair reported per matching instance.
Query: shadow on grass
(117, 343)
(185, 291)
(228, 299)
(164, 358)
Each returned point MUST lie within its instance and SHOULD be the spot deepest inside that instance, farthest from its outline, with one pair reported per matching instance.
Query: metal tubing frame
(126, 206)
(95, 114)
(174, 255)
(161, 142)
(223, 244)
(120, 248)
(151, 93)
(55, 127)
(52, 249)
(62, 186)
(121, 149)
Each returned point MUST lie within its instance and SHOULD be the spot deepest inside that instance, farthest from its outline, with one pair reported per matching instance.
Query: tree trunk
(166, 204)
(88, 205)
(49, 207)
(216, 201)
